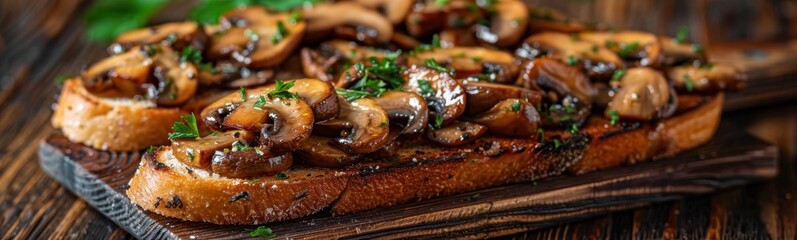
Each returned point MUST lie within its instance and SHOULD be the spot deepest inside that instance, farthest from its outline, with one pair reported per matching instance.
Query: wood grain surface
(41, 39)
(731, 158)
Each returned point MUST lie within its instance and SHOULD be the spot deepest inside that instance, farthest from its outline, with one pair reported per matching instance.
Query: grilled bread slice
(165, 186)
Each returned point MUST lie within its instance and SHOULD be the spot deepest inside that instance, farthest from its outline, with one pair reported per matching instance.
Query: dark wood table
(40, 40)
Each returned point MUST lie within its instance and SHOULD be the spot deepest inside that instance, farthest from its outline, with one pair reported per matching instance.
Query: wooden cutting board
(731, 158)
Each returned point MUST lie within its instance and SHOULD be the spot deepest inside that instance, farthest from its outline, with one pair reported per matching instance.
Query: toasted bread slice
(111, 124)
(167, 187)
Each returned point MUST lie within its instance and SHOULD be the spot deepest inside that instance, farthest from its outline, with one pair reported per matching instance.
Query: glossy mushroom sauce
(359, 78)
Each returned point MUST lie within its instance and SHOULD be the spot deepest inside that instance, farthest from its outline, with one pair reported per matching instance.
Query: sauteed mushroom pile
(379, 74)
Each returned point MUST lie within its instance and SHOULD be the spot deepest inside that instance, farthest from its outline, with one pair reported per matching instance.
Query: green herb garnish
(262, 232)
(541, 133)
(557, 143)
(436, 66)
(252, 35)
(190, 155)
(190, 54)
(252, 180)
(573, 129)
(680, 36)
(441, 3)
(473, 197)
(476, 59)
(208, 11)
(281, 90)
(618, 74)
(351, 95)
(61, 79)
(238, 146)
(282, 32)
(379, 76)
(696, 48)
(281, 176)
(614, 117)
(186, 128)
(243, 94)
(260, 103)
(516, 106)
(627, 49)
(438, 122)
(572, 60)
(295, 17)
(688, 83)
(426, 88)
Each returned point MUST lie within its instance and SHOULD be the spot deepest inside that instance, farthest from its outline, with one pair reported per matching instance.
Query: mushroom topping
(511, 117)
(234, 75)
(394, 10)
(334, 57)
(597, 61)
(405, 109)
(318, 151)
(429, 17)
(256, 38)
(567, 93)
(678, 53)
(250, 162)
(176, 35)
(709, 78)
(636, 48)
(458, 37)
(369, 24)
(199, 152)
(444, 96)
(507, 24)
(361, 126)
(472, 62)
(644, 95)
(152, 71)
(546, 19)
(482, 95)
(457, 133)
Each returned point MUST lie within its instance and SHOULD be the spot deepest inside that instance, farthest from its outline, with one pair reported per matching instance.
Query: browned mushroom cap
(458, 37)
(598, 61)
(368, 23)
(318, 151)
(152, 71)
(507, 25)
(283, 123)
(177, 35)
(483, 95)
(360, 127)
(457, 133)
(679, 53)
(644, 95)
(199, 152)
(512, 117)
(320, 95)
(233, 74)
(394, 10)
(547, 19)
(636, 48)
(406, 109)
(429, 17)
(250, 162)
(255, 37)
(475, 62)
(567, 92)
(444, 96)
(710, 78)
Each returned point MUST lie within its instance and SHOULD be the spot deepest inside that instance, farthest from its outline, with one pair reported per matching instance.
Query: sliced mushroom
(406, 109)
(457, 133)
(199, 152)
(511, 117)
(319, 151)
(644, 95)
(429, 17)
(152, 71)
(483, 95)
(362, 126)
(234, 75)
(680, 53)
(394, 10)
(547, 19)
(176, 35)
(636, 48)
(475, 62)
(507, 25)
(710, 78)
(334, 57)
(567, 93)
(597, 61)
(250, 163)
(444, 97)
(369, 24)
(458, 37)
(255, 37)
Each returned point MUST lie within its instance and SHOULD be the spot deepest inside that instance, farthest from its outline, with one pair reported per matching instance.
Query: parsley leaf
(426, 88)
(627, 49)
(557, 143)
(295, 17)
(574, 128)
(186, 128)
(262, 232)
(260, 103)
(281, 176)
(426, 47)
(281, 90)
(572, 60)
(378, 77)
(282, 32)
(436, 66)
(238, 146)
(243, 94)
(351, 95)
(680, 36)
(190, 154)
(696, 48)
(106, 19)
(613, 116)
(61, 79)
(688, 83)
(516, 106)
(618, 74)
(438, 122)
(208, 11)
(253, 180)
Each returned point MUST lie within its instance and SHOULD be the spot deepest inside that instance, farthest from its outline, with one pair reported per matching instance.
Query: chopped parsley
(688, 83)
(281, 90)
(186, 128)
(680, 36)
(542, 134)
(476, 59)
(436, 66)
(190, 154)
(150, 149)
(438, 122)
(441, 3)
(253, 36)
(260, 103)
(190, 54)
(516, 106)
(243, 94)
(556, 143)
(574, 37)
(572, 60)
(707, 66)
(696, 48)
(262, 232)
(61, 79)
(618, 74)
(295, 17)
(426, 88)
(380, 76)
(426, 47)
(351, 95)
(238, 146)
(594, 48)
(613, 116)
(574, 128)
(281, 33)
(253, 180)
(281, 176)
(473, 197)
(627, 49)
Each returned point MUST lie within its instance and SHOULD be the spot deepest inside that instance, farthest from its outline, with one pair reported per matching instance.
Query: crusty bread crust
(422, 171)
(108, 124)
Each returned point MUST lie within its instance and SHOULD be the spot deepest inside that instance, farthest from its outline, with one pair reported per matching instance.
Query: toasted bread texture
(111, 124)
(167, 187)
